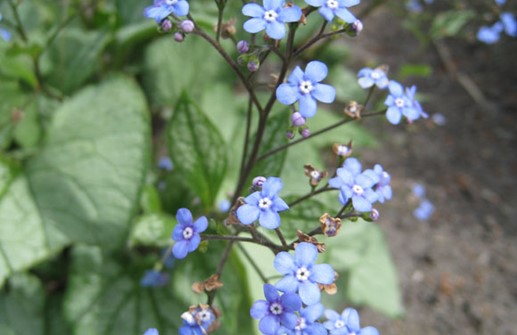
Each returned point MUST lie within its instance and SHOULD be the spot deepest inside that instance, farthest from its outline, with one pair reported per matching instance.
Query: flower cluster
(491, 34)
(363, 188)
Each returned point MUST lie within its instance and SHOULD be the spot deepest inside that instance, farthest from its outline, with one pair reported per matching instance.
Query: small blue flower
(305, 88)
(151, 331)
(301, 275)
(331, 8)
(163, 8)
(263, 205)
(197, 320)
(490, 35)
(153, 278)
(509, 23)
(418, 190)
(165, 163)
(272, 17)
(382, 187)
(368, 77)
(500, 2)
(355, 185)
(347, 323)
(276, 310)
(186, 233)
(411, 94)
(399, 104)
(424, 211)
(307, 324)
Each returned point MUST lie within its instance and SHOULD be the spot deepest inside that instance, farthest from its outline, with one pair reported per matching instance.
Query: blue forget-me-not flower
(276, 310)
(305, 88)
(382, 187)
(271, 17)
(197, 320)
(301, 275)
(424, 211)
(400, 104)
(331, 8)
(346, 323)
(163, 8)
(368, 77)
(186, 233)
(263, 205)
(355, 185)
(307, 323)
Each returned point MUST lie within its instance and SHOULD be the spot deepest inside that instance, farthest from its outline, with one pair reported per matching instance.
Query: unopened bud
(357, 26)
(258, 181)
(289, 134)
(179, 37)
(243, 47)
(253, 66)
(305, 132)
(297, 119)
(374, 215)
(166, 25)
(187, 26)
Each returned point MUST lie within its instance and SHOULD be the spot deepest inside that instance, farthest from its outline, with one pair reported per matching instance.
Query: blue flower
(399, 104)
(369, 77)
(197, 320)
(509, 23)
(151, 331)
(301, 275)
(163, 8)
(500, 2)
(418, 190)
(307, 324)
(186, 233)
(153, 278)
(424, 211)
(411, 94)
(272, 17)
(382, 187)
(305, 88)
(165, 163)
(263, 205)
(355, 185)
(276, 310)
(331, 8)
(490, 35)
(347, 323)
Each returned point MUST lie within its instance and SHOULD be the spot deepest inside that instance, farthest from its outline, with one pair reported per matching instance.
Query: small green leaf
(150, 200)
(413, 70)
(450, 23)
(152, 230)
(197, 150)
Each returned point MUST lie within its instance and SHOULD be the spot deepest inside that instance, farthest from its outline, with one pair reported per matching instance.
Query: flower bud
(187, 26)
(166, 25)
(374, 215)
(297, 119)
(258, 181)
(179, 37)
(357, 27)
(289, 134)
(253, 66)
(305, 132)
(243, 47)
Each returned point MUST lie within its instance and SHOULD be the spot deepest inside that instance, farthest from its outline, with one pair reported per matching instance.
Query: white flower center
(188, 233)
(376, 75)
(204, 316)
(188, 317)
(332, 4)
(265, 203)
(339, 324)
(306, 87)
(399, 102)
(276, 308)
(170, 2)
(357, 189)
(343, 150)
(315, 174)
(302, 274)
(270, 15)
(301, 324)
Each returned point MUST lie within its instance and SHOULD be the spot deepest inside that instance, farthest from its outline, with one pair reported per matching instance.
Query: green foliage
(449, 23)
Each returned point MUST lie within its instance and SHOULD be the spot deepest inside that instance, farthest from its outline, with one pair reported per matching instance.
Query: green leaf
(28, 130)
(105, 296)
(22, 306)
(197, 150)
(450, 23)
(150, 200)
(152, 230)
(413, 70)
(73, 58)
(87, 178)
(367, 273)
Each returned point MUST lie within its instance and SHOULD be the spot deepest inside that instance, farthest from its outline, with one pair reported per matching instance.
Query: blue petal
(361, 204)
(284, 263)
(335, 182)
(324, 93)
(291, 302)
(275, 30)
(365, 82)
(343, 198)
(382, 83)
(307, 105)
(315, 3)
(254, 25)
(287, 284)
(369, 331)
(346, 176)
(322, 274)
(350, 3)
(316, 329)
(370, 195)
(180, 249)
(365, 181)
(156, 13)
(194, 243)
(279, 205)
(390, 100)
(184, 216)
(395, 88)
(289, 320)
(177, 233)
(309, 293)
(269, 219)
(345, 15)
(181, 8)
(247, 214)
(253, 199)
(273, 4)
(411, 113)
(200, 224)
(290, 14)
(253, 10)
(151, 331)
(271, 187)
(312, 313)
(351, 318)
(287, 94)
(305, 254)
(332, 315)
(270, 292)
(316, 71)
(353, 165)
(327, 13)
(296, 77)
(393, 115)
(259, 309)
(269, 325)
